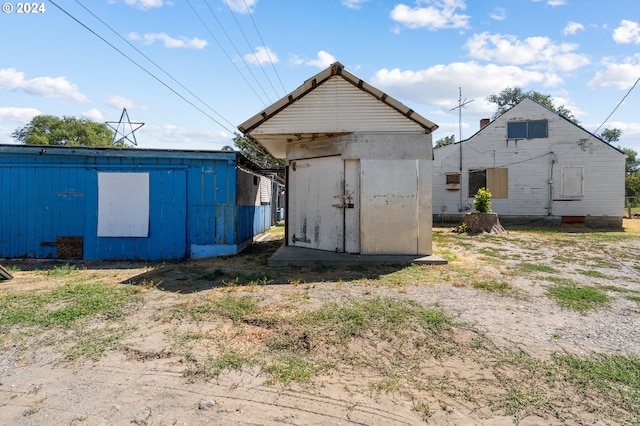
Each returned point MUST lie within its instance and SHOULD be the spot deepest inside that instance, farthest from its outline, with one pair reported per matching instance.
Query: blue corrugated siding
(52, 192)
(253, 220)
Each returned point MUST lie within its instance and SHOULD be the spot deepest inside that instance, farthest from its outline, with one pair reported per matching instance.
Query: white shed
(358, 166)
(538, 165)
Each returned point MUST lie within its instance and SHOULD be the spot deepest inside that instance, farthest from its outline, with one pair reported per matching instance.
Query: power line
(617, 106)
(154, 63)
(140, 66)
(232, 44)
(235, 18)
(264, 44)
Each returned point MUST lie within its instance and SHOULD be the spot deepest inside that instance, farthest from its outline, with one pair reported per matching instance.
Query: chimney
(484, 123)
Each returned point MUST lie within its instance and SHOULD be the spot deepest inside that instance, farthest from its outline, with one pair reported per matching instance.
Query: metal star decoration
(124, 127)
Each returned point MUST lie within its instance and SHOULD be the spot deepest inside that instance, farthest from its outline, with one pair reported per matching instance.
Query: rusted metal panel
(352, 206)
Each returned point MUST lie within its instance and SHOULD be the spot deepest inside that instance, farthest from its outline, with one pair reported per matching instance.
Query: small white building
(358, 166)
(538, 165)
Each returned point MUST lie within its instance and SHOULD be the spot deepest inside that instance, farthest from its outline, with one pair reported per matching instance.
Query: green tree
(256, 153)
(632, 187)
(632, 163)
(51, 130)
(611, 135)
(447, 140)
(511, 96)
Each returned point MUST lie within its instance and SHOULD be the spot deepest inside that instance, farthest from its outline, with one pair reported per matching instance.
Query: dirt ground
(153, 373)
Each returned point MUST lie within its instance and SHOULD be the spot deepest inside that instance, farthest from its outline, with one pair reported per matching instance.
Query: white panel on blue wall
(123, 204)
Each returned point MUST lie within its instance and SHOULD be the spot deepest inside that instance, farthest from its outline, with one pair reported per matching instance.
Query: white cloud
(439, 14)
(353, 4)
(93, 114)
(21, 115)
(619, 75)
(555, 3)
(572, 28)
(261, 55)
(499, 14)
(438, 85)
(627, 32)
(120, 102)
(142, 4)
(536, 52)
(169, 136)
(168, 41)
(48, 87)
(242, 6)
(323, 60)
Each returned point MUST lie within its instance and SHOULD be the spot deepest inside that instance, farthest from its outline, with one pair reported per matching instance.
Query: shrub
(482, 201)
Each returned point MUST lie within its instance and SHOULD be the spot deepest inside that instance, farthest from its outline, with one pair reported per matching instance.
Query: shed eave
(337, 69)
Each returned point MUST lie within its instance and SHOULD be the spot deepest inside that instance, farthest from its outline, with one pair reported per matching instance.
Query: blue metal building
(129, 204)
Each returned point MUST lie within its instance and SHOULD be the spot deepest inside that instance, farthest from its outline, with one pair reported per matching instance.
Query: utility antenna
(124, 128)
(461, 104)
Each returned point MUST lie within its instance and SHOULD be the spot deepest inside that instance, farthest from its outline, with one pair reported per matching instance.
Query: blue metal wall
(48, 192)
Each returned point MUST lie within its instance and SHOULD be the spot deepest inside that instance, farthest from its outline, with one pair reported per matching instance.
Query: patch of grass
(594, 274)
(616, 377)
(60, 271)
(233, 308)
(578, 298)
(382, 316)
(94, 343)
(226, 361)
(500, 287)
(288, 368)
(65, 305)
(534, 267)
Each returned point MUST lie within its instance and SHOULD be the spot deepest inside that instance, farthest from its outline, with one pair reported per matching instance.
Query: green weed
(578, 298)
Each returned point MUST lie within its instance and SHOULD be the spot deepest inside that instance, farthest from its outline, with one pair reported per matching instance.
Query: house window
(477, 180)
(496, 180)
(528, 129)
(572, 180)
(453, 179)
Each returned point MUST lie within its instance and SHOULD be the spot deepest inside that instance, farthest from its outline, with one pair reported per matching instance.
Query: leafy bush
(482, 201)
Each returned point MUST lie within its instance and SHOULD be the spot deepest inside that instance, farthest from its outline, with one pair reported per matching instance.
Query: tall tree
(51, 130)
(447, 140)
(511, 96)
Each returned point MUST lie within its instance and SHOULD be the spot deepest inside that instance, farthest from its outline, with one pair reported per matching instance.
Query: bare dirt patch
(231, 341)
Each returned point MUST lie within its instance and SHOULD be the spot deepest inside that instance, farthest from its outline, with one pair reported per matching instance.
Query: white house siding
(337, 106)
(535, 171)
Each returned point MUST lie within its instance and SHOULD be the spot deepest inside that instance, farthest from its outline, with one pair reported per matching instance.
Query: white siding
(337, 106)
(535, 169)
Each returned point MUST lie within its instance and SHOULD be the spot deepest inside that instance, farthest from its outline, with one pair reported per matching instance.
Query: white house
(537, 165)
(358, 166)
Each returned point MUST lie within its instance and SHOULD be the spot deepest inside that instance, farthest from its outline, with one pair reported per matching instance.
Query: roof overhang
(276, 144)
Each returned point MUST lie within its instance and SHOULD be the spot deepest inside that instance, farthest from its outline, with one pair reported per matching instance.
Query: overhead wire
(232, 44)
(140, 66)
(235, 18)
(617, 106)
(154, 63)
(265, 45)
(225, 53)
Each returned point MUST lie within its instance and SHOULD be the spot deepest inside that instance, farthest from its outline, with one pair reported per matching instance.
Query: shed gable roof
(332, 102)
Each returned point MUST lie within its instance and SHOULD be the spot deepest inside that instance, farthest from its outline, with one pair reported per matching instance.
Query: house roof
(275, 140)
(527, 99)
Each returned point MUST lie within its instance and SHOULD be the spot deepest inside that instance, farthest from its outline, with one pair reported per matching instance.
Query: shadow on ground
(250, 267)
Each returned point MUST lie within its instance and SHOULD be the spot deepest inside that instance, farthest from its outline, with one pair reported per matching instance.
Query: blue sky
(196, 69)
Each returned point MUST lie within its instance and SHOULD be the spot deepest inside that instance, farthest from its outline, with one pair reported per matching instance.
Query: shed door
(316, 213)
(389, 207)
